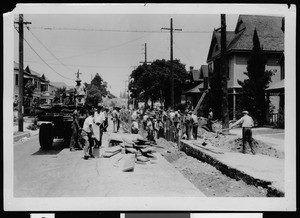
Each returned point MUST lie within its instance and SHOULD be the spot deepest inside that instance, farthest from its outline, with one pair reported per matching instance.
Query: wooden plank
(142, 158)
(150, 155)
(129, 161)
(140, 146)
(200, 101)
(113, 149)
(127, 145)
(147, 150)
(140, 162)
(130, 142)
(131, 150)
(110, 154)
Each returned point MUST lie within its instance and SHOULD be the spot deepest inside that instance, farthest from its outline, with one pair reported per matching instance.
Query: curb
(229, 171)
(20, 135)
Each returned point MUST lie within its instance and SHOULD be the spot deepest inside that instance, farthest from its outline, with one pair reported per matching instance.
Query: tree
(29, 89)
(59, 92)
(253, 88)
(152, 82)
(96, 90)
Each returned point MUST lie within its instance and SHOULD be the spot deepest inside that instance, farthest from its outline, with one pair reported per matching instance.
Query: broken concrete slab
(128, 164)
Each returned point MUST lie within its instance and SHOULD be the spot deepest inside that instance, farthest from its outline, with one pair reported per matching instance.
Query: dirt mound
(234, 144)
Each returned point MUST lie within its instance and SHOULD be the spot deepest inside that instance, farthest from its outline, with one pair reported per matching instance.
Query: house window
(228, 76)
(17, 79)
(210, 67)
(37, 85)
(282, 72)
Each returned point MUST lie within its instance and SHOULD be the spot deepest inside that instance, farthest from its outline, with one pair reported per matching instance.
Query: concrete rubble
(133, 151)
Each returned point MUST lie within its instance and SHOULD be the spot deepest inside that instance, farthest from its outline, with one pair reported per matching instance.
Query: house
(239, 45)
(44, 92)
(198, 84)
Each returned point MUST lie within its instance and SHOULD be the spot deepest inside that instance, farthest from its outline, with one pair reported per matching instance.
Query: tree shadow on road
(56, 148)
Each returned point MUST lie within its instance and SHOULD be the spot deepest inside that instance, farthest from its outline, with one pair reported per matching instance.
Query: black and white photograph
(149, 107)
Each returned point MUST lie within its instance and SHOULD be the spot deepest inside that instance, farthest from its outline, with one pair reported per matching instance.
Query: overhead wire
(116, 30)
(105, 49)
(47, 49)
(42, 58)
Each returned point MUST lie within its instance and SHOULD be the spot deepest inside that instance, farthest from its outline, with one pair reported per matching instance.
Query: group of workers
(161, 123)
(170, 124)
(87, 129)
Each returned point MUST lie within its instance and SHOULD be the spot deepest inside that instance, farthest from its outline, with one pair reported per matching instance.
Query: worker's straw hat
(245, 112)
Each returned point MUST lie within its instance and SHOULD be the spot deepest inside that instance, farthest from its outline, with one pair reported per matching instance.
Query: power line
(87, 66)
(105, 49)
(48, 49)
(114, 30)
(42, 58)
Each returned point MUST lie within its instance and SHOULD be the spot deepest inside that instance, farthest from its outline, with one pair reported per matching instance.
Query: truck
(55, 122)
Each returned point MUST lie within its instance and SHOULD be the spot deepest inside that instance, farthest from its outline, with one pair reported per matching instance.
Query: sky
(112, 45)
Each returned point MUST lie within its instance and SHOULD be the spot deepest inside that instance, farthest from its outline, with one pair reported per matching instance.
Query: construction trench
(200, 161)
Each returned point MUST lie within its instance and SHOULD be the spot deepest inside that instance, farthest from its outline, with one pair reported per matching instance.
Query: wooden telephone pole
(171, 59)
(145, 62)
(21, 73)
(225, 114)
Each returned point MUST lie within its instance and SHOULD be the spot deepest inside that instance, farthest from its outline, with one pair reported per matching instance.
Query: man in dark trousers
(87, 135)
(247, 124)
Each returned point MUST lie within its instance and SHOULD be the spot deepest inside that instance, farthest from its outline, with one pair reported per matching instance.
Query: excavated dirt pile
(234, 144)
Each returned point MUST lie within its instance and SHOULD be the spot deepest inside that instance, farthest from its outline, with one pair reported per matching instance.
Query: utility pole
(145, 62)
(171, 59)
(21, 73)
(225, 114)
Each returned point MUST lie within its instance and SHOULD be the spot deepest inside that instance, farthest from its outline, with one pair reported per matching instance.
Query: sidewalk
(26, 132)
(258, 170)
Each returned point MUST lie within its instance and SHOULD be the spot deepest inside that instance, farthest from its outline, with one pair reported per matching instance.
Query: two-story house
(239, 44)
(44, 92)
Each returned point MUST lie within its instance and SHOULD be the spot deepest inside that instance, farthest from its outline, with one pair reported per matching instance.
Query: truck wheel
(46, 135)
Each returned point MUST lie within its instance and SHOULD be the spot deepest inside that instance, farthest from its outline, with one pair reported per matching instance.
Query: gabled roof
(195, 75)
(269, 30)
(215, 45)
(203, 71)
(27, 69)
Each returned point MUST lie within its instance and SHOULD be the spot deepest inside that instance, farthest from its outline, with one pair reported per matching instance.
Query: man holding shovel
(247, 124)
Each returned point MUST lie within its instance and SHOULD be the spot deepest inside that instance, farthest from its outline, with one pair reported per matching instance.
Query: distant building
(198, 84)
(239, 44)
(112, 102)
(44, 91)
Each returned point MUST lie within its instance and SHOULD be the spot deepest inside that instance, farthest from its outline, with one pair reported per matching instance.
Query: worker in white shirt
(99, 118)
(134, 127)
(247, 124)
(87, 135)
(115, 118)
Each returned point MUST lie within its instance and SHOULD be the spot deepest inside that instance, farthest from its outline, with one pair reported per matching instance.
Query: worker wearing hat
(247, 124)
